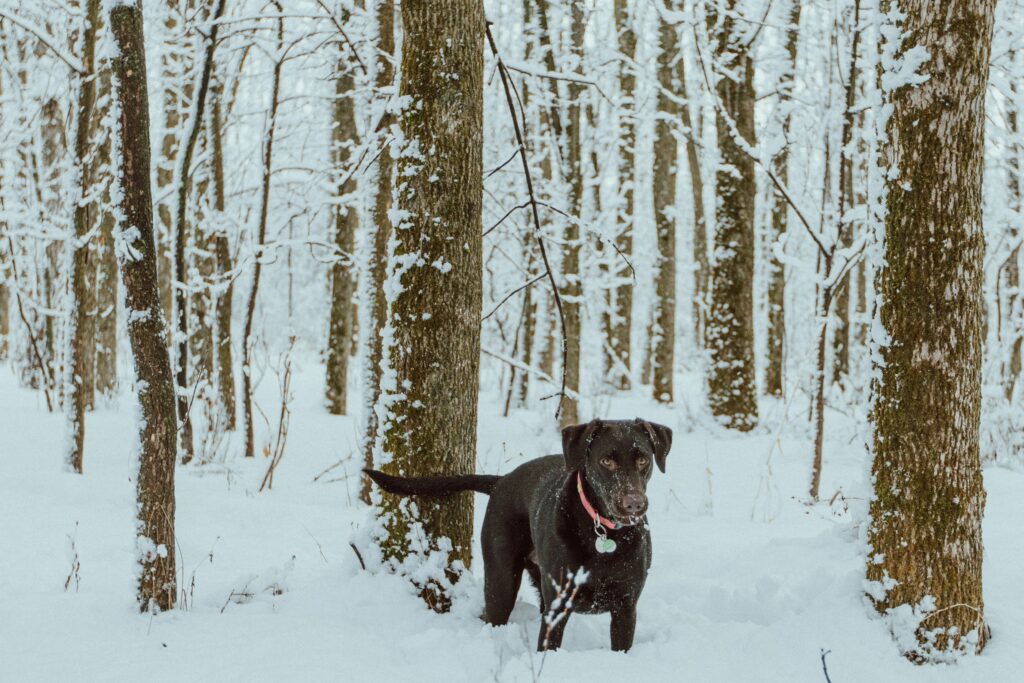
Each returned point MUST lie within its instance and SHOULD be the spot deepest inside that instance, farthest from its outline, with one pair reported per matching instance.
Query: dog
(575, 523)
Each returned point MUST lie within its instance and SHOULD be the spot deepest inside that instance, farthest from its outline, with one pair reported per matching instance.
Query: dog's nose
(633, 504)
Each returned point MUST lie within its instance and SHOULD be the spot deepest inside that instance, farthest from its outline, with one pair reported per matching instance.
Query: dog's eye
(609, 463)
(641, 462)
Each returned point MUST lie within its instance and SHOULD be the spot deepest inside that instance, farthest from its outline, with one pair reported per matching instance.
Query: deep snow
(748, 584)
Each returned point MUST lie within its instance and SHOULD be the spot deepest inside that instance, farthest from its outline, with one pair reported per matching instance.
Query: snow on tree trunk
(924, 564)
(374, 301)
(225, 365)
(774, 369)
(664, 191)
(157, 583)
(346, 221)
(572, 292)
(80, 328)
(106, 275)
(729, 331)
(621, 313)
(428, 403)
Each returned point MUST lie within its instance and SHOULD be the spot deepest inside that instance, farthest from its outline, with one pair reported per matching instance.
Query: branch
(46, 40)
(505, 82)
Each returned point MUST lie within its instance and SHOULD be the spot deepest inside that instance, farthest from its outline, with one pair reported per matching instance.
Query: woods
(326, 235)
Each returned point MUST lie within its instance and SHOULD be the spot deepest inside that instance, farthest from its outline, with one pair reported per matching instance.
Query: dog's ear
(575, 442)
(661, 437)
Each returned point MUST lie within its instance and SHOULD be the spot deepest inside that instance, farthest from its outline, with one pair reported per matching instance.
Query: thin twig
(508, 87)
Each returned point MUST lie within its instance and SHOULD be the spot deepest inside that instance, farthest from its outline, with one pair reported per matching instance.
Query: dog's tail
(433, 486)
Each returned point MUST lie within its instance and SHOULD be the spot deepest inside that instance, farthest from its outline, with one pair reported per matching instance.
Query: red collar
(594, 515)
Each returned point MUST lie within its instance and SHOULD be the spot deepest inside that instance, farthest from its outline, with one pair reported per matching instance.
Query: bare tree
(157, 582)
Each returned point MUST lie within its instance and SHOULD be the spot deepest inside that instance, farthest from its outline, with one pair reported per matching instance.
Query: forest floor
(749, 583)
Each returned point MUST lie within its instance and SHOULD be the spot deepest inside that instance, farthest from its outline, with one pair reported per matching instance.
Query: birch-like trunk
(925, 543)
(155, 545)
(432, 354)
(106, 269)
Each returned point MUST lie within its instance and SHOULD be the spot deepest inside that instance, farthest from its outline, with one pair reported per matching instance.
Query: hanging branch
(509, 87)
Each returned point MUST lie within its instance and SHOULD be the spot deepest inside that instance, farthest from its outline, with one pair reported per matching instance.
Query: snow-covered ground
(748, 582)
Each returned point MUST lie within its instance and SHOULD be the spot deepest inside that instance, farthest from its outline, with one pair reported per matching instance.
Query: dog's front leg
(623, 627)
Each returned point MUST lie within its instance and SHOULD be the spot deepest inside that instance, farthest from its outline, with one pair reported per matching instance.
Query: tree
(80, 335)
(773, 376)
(729, 329)
(664, 179)
(346, 221)
(925, 542)
(103, 215)
(157, 583)
(620, 323)
(428, 401)
(373, 288)
(224, 364)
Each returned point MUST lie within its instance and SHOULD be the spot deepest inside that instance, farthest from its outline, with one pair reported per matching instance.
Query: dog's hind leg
(503, 570)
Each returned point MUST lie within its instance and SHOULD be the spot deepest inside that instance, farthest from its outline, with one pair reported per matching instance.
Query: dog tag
(604, 544)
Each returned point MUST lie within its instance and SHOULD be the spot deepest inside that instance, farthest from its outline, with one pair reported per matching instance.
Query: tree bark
(925, 534)
(619, 332)
(106, 275)
(1011, 373)
(80, 333)
(374, 287)
(666, 155)
(346, 222)
(572, 294)
(225, 364)
(775, 368)
(432, 360)
(157, 583)
(729, 331)
(700, 230)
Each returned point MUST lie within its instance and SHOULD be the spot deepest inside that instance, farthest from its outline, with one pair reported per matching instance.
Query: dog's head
(616, 458)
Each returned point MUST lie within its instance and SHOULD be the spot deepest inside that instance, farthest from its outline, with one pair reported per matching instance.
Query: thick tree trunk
(925, 543)
(157, 583)
(435, 272)
(374, 287)
(620, 329)
(729, 332)
(346, 222)
(664, 191)
(775, 368)
(80, 330)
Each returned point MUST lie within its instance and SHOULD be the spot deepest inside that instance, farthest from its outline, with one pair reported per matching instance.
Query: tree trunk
(622, 295)
(155, 545)
(261, 238)
(106, 276)
(1012, 370)
(346, 221)
(572, 294)
(435, 296)
(172, 105)
(81, 343)
(729, 332)
(925, 544)
(664, 191)
(775, 368)
(225, 364)
(700, 231)
(373, 289)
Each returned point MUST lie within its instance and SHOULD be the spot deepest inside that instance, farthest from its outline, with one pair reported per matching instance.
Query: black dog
(554, 517)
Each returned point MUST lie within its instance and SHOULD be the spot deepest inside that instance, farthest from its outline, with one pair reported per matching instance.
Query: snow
(748, 582)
